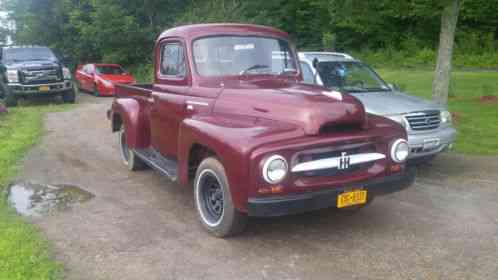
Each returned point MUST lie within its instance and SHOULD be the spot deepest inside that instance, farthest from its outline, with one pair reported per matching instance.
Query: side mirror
(393, 87)
(315, 63)
(315, 66)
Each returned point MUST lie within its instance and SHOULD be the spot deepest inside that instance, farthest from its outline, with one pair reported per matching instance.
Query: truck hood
(393, 103)
(32, 64)
(310, 107)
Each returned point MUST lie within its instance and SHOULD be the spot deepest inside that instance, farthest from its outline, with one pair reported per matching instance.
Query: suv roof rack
(338, 54)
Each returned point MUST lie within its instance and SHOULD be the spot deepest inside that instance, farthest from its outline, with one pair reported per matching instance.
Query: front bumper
(418, 142)
(298, 203)
(31, 90)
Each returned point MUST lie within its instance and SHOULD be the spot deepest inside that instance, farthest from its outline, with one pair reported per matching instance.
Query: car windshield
(243, 55)
(109, 70)
(350, 76)
(27, 54)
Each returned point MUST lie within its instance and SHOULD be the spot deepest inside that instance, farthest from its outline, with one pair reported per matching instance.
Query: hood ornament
(344, 161)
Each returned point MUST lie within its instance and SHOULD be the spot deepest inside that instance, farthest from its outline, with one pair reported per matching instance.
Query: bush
(144, 73)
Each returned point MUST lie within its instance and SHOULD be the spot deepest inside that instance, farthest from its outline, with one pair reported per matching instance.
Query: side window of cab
(173, 63)
(308, 77)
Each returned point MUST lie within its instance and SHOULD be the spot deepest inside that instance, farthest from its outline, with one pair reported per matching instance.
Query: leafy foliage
(124, 31)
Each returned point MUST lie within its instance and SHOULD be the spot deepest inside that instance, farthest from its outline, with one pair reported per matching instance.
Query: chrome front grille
(47, 75)
(426, 120)
(329, 154)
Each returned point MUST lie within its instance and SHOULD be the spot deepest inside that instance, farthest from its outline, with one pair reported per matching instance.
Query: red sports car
(99, 79)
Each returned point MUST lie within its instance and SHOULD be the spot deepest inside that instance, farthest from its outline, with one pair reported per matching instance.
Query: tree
(441, 84)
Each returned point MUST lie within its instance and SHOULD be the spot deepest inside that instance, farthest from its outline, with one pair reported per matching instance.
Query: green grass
(24, 253)
(476, 122)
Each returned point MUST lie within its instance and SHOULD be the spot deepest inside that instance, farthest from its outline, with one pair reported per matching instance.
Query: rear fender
(134, 118)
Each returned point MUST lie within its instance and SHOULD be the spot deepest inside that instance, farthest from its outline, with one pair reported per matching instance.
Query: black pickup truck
(33, 71)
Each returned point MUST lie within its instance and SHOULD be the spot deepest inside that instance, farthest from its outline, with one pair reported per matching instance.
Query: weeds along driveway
(141, 226)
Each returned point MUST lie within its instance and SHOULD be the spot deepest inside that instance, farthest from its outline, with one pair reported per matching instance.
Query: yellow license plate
(351, 198)
(44, 88)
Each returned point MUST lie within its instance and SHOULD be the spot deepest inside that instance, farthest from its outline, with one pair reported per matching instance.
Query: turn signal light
(396, 168)
(271, 190)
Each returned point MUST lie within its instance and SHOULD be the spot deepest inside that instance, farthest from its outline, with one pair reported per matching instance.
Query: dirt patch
(488, 99)
(456, 117)
(141, 226)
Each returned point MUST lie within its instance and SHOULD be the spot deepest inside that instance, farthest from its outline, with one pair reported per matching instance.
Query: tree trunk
(441, 84)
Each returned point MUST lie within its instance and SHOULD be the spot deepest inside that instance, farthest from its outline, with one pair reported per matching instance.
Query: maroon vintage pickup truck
(227, 113)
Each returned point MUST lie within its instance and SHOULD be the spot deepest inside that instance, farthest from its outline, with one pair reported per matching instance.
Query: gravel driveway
(141, 226)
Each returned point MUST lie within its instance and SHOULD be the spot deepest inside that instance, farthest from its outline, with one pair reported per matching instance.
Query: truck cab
(229, 115)
(33, 71)
(428, 125)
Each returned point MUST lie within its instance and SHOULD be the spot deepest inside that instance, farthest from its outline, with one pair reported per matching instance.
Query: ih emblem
(344, 161)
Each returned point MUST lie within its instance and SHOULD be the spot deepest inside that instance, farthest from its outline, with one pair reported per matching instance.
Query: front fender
(134, 119)
(232, 139)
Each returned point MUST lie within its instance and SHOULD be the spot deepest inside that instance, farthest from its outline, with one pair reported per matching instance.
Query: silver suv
(428, 124)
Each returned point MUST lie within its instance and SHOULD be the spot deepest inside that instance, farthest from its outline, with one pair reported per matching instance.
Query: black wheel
(10, 99)
(96, 91)
(3, 88)
(131, 160)
(69, 96)
(214, 201)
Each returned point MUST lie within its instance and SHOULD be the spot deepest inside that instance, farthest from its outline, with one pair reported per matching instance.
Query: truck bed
(122, 90)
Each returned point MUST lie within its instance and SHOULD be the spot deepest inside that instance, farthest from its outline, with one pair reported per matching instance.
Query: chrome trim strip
(38, 85)
(335, 161)
(197, 103)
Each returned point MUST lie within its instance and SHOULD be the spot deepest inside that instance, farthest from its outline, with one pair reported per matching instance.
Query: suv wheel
(10, 99)
(69, 96)
(133, 162)
(214, 201)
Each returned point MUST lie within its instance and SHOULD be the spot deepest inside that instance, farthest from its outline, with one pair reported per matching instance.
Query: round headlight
(66, 73)
(12, 76)
(400, 150)
(445, 117)
(275, 169)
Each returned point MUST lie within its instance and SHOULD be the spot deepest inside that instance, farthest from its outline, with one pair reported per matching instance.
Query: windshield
(350, 76)
(27, 54)
(243, 55)
(109, 70)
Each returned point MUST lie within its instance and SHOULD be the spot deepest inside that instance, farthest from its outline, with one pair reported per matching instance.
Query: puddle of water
(35, 200)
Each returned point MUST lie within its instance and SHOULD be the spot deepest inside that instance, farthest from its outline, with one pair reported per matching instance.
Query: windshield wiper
(376, 89)
(287, 71)
(254, 67)
(354, 89)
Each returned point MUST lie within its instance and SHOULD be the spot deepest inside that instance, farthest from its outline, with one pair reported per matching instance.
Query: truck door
(169, 96)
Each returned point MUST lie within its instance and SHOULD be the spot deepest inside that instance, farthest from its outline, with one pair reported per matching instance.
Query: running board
(154, 159)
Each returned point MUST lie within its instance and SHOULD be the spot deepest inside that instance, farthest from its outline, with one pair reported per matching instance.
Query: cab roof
(191, 32)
